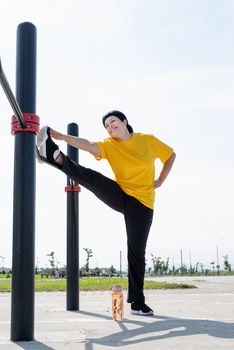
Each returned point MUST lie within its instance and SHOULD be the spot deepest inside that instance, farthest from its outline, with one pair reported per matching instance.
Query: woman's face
(115, 127)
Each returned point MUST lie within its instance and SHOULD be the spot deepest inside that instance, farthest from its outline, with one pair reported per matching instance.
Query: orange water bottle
(117, 303)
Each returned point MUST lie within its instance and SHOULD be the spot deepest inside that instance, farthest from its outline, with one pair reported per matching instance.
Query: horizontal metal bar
(11, 98)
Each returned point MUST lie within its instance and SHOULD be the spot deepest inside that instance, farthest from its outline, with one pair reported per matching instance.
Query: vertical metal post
(22, 302)
(72, 230)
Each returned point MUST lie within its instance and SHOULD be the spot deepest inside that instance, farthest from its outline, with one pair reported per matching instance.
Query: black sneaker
(141, 309)
(47, 150)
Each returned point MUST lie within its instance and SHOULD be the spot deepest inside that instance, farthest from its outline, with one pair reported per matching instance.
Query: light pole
(190, 262)
(120, 263)
(217, 259)
(181, 262)
(217, 256)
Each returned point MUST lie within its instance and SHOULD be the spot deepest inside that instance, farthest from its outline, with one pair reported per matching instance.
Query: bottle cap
(116, 288)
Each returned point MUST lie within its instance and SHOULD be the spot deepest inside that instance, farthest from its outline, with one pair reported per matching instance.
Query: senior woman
(132, 158)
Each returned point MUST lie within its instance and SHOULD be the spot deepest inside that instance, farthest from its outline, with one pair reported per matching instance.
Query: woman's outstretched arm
(77, 142)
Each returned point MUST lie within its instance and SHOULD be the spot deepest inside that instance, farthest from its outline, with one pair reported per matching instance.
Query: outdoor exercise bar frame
(25, 126)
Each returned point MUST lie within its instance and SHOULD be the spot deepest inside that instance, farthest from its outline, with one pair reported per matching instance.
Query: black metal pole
(22, 302)
(72, 230)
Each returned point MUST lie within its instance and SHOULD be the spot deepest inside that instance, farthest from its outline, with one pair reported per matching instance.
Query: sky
(169, 66)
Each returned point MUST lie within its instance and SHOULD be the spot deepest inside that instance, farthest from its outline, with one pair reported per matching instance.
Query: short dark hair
(120, 116)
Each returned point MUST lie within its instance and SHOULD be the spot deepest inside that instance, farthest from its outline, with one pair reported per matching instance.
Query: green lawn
(90, 284)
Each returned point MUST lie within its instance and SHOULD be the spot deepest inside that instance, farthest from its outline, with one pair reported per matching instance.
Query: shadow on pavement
(35, 345)
(161, 327)
(140, 330)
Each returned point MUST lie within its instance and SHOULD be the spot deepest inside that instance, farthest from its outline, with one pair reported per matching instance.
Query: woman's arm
(165, 171)
(77, 142)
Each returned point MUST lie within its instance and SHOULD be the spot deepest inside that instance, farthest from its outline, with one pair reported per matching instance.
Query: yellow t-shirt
(132, 162)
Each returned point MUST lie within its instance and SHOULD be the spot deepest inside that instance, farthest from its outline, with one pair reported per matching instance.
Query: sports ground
(189, 319)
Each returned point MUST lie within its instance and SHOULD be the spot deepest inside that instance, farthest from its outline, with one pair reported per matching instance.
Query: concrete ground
(201, 318)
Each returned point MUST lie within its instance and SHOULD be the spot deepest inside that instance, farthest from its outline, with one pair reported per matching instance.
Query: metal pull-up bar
(11, 98)
(24, 126)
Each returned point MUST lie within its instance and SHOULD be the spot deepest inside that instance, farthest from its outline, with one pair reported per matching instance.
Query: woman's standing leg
(138, 219)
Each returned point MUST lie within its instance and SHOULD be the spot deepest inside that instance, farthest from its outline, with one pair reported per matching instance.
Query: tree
(213, 265)
(202, 267)
(196, 268)
(192, 270)
(51, 260)
(96, 271)
(111, 270)
(165, 266)
(89, 253)
(37, 267)
(3, 259)
(159, 266)
(156, 264)
(227, 265)
(183, 269)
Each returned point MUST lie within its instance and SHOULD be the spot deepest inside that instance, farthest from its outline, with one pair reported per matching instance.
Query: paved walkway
(201, 318)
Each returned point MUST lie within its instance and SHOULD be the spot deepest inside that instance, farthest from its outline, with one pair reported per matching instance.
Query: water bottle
(117, 303)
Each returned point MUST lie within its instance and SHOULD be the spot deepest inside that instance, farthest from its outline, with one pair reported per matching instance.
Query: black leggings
(138, 219)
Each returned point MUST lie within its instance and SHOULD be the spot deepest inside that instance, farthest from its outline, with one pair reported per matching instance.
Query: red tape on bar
(32, 121)
(72, 189)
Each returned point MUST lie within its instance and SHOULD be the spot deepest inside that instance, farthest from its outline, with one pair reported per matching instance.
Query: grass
(91, 284)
